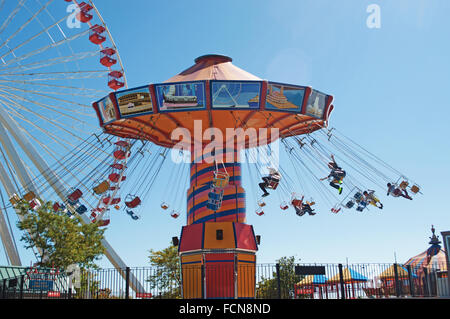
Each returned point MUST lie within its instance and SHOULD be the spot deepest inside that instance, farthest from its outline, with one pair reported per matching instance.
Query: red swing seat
(133, 203)
(113, 202)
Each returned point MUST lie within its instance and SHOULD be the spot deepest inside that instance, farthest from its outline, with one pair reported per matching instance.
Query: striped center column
(202, 175)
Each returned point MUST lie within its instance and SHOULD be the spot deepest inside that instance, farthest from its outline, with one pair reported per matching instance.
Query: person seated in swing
(396, 192)
(270, 181)
(337, 174)
(371, 199)
(303, 208)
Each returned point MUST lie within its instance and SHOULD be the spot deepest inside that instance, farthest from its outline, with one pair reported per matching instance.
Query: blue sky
(390, 94)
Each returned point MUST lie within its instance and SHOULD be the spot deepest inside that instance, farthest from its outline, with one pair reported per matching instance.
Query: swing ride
(222, 96)
(117, 169)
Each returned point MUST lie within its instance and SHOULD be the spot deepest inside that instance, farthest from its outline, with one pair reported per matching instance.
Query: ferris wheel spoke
(74, 75)
(42, 8)
(46, 96)
(12, 15)
(12, 98)
(53, 122)
(49, 107)
(42, 49)
(44, 30)
(93, 91)
(51, 62)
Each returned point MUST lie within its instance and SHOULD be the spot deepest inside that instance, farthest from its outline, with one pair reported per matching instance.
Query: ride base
(217, 248)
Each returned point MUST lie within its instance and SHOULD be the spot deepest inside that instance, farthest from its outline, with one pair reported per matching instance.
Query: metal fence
(261, 281)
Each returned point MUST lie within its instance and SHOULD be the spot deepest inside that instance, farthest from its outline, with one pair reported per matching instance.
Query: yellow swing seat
(220, 180)
(14, 199)
(415, 189)
(101, 188)
(29, 196)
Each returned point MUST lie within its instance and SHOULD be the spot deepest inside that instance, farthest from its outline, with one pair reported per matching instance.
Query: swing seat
(35, 204)
(101, 188)
(119, 155)
(133, 203)
(336, 210)
(117, 166)
(415, 189)
(113, 202)
(122, 143)
(174, 215)
(284, 206)
(214, 205)
(273, 183)
(14, 199)
(75, 196)
(358, 196)
(117, 207)
(261, 203)
(213, 196)
(56, 207)
(350, 204)
(29, 196)
(114, 177)
(259, 212)
(296, 203)
(360, 208)
(103, 222)
(164, 206)
(220, 180)
(81, 210)
(403, 185)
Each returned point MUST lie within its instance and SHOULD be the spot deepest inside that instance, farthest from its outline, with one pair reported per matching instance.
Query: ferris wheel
(56, 57)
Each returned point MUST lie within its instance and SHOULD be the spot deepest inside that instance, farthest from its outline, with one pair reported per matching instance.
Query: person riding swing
(337, 174)
(302, 208)
(270, 181)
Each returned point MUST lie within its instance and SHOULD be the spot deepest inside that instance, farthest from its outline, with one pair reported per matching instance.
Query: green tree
(165, 277)
(267, 288)
(60, 240)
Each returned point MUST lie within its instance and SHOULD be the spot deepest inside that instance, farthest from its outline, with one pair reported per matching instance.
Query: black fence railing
(261, 281)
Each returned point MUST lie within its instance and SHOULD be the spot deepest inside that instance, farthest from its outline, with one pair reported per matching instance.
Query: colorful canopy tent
(402, 273)
(387, 278)
(349, 277)
(432, 259)
(312, 280)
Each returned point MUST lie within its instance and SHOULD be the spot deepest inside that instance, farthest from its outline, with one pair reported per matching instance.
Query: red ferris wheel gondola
(107, 59)
(84, 15)
(96, 36)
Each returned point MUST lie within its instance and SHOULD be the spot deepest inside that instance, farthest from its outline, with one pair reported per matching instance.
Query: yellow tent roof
(389, 273)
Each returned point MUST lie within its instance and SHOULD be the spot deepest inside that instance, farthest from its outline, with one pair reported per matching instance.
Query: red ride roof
(213, 67)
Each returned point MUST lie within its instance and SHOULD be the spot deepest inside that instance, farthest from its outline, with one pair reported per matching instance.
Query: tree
(166, 276)
(268, 287)
(59, 239)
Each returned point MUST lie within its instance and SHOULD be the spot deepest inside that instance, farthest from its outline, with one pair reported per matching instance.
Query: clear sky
(390, 87)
